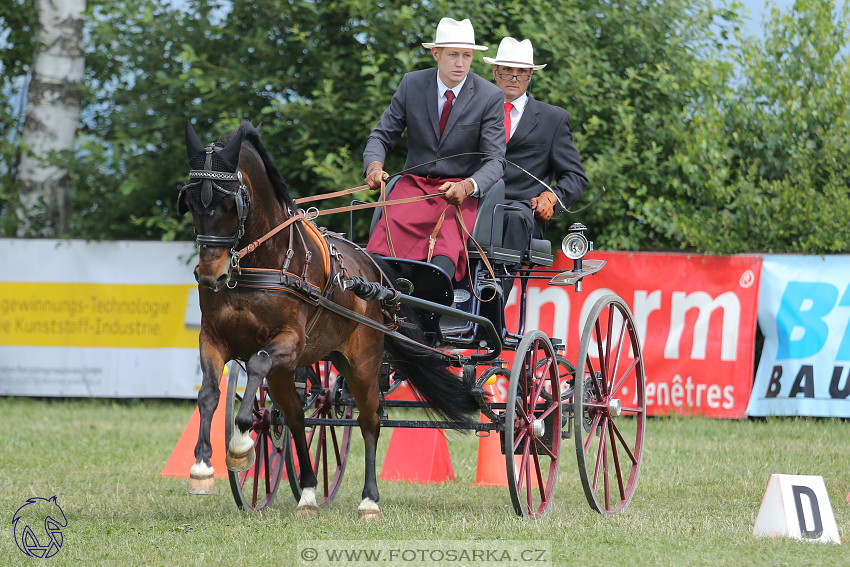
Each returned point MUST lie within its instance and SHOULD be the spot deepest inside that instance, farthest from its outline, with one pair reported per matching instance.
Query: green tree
(771, 149)
(704, 140)
(17, 39)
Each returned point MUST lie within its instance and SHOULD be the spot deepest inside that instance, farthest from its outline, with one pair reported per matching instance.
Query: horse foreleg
(202, 475)
(241, 453)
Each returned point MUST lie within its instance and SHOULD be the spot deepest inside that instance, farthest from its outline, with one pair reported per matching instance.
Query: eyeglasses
(517, 77)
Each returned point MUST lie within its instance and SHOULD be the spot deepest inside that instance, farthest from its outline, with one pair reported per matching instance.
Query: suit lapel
(527, 123)
(431, 102)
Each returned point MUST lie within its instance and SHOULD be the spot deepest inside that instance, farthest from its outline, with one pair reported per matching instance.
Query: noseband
(215, 181)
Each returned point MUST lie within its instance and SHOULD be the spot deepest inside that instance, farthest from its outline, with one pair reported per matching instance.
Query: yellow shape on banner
(95, 315)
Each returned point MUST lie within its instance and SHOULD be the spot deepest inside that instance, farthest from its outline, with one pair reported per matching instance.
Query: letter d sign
(797, 506)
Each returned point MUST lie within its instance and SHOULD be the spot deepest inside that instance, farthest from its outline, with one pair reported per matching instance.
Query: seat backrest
(489, 220)
(489, 215)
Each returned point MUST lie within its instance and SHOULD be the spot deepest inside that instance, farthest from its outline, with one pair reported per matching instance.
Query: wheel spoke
(267, 458)
(625, 375)
(256, 482)
(600, 452)
(617, 471)
(623, 442)
(592, 429)
(540, 485)
(539, 443)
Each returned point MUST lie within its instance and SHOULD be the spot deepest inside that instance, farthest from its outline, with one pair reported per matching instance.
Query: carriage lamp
(575, 244)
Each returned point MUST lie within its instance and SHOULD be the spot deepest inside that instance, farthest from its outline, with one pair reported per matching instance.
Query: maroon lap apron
(411, 224)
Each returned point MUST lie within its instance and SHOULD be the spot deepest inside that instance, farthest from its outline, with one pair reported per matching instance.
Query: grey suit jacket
(476, 124)
(543, 145)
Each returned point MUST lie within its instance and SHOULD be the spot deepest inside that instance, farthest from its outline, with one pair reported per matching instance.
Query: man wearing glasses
(538, 140)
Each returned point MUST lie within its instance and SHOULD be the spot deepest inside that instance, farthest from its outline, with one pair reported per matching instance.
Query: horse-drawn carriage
(325, 334)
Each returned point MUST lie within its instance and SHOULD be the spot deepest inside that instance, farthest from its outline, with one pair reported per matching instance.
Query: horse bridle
(208, 180)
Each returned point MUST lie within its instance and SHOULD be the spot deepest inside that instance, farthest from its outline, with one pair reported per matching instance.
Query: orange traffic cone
(490, 470)
(183, 456)
(492, 465)
(418, 455)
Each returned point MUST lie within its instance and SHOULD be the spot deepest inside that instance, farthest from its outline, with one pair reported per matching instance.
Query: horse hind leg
(283, 391)
(363, 385)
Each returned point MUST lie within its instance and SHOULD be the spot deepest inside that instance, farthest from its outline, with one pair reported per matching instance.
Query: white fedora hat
(513, 53)
(452, 33)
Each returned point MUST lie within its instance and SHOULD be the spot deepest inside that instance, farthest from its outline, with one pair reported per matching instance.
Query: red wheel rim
(533, 426)
(610, 407)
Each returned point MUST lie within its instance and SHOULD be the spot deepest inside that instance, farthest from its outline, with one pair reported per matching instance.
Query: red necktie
(508, 108)
(447, 107)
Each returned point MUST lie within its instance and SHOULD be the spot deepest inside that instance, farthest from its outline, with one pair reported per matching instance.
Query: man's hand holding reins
(375, 174)
(456, 192)
(544, 205)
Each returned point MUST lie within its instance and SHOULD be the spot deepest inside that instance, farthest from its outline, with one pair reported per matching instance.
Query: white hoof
(368, 510)
(307, 506)
(201, 479)
(240, 443)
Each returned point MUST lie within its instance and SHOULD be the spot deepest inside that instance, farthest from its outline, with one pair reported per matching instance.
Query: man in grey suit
(447, 112)
(538, 140)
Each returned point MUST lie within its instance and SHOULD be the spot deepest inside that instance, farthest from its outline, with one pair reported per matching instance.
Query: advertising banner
(804, 309)
(110, 319)
(696, 318)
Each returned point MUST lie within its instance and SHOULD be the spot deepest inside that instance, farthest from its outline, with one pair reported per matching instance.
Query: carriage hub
(615, 406)
(538, 428)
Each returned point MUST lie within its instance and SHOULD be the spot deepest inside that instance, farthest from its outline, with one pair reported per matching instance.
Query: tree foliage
(17, 33)
(770, 150)
(704, 139)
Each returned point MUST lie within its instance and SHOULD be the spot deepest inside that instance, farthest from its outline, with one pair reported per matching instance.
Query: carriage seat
(488, 232)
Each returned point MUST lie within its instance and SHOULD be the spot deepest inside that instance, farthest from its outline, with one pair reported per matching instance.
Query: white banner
(100, 319)
(803, 311)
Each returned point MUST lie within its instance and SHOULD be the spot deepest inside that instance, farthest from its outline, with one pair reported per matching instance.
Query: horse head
(219, 202)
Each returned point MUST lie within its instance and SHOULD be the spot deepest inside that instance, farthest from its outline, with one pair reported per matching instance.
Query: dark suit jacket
(476, 124)
(543, 145)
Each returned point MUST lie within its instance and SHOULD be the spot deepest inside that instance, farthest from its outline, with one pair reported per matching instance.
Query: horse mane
(249, 133)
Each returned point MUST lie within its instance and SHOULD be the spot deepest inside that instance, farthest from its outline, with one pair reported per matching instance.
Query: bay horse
(237, 195)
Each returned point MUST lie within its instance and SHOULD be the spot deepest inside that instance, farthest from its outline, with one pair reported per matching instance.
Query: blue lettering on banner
(804, 314)
(803, 307)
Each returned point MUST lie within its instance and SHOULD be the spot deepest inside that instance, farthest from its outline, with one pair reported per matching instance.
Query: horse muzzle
(215, 281)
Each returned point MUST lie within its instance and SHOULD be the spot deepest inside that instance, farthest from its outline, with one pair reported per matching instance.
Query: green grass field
(701, 486)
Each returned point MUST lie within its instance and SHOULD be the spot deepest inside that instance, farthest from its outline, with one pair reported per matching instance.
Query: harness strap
(275, 280)
(432, 238)
(324, 196)
(320, 241)
(386, 218)
(462, 228)
(253, 246)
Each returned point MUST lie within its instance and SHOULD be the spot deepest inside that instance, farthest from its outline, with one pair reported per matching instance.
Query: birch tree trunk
(52, 116)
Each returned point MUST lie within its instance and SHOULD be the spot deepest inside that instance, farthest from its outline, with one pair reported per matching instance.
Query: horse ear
(230, 153)
(193, 144)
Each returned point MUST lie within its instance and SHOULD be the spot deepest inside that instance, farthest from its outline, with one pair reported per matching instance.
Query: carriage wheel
(609, 406)
(255, 488)
(328, 444)
(566, 374)
(533, 425)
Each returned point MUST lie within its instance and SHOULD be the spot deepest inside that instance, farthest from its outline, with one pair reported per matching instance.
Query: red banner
(696, 317)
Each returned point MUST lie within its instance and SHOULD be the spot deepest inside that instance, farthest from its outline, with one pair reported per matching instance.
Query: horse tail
(449, 395)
